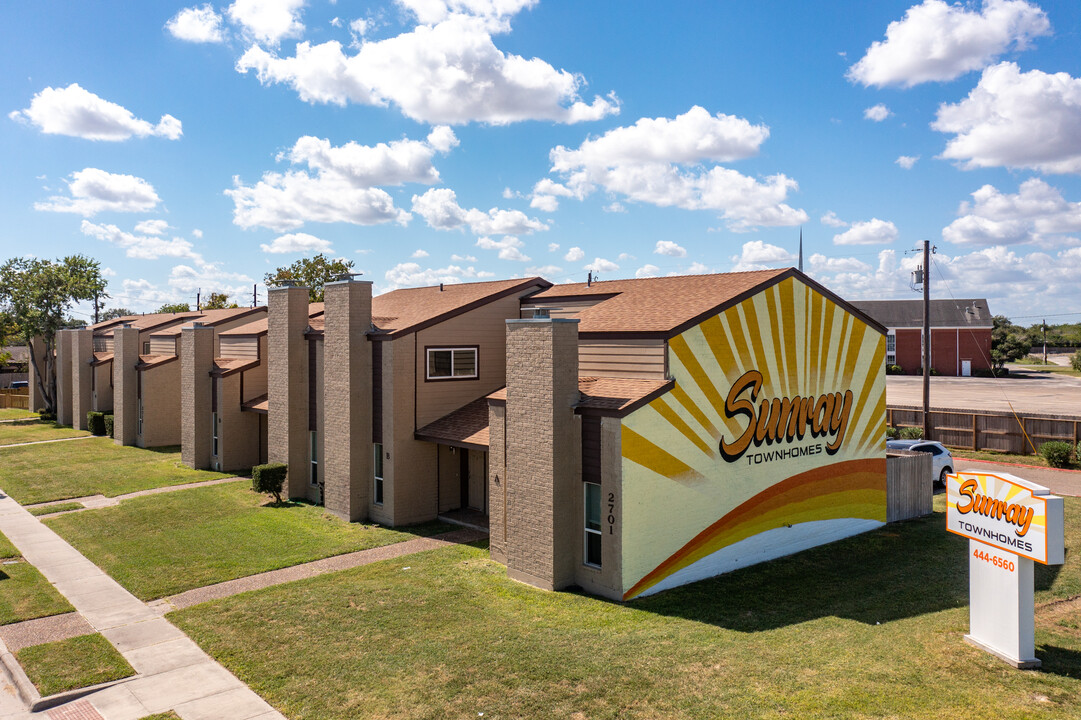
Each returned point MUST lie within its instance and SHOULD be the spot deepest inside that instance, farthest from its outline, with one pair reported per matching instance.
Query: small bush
(893, 433)
(47, 416)
(109, 426)
(95, 422)
(1076, 361)
(1056, 453)
(911, 433)
(895, 370)
(269, 479)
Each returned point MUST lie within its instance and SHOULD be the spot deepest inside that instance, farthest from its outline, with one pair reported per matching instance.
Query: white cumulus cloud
(152, 227)
(667, 247)
(660, 161)
(937, 42)
(419, 253)
(877, 113)
(80, 113)
(446, 71)
(759, 255)
(574, 254)
(1016, 119)
(296, 243)
(907, 161)
(93, 191)
(509, 247)
(600, 265)
(413, 275)
(197, 24)
(871, 232)
(832, 220)
(647, 271)
(440, 209)
(143, 247)
(1037, 214)
(268, 21)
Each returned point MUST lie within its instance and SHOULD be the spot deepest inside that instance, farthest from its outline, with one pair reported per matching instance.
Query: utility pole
(1045, 341)
(926, 340)
(255, 295)
(198, 296)
(97, 307)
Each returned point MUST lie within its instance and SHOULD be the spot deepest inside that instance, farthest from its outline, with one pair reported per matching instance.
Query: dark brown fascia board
(451, 443)
(232, 334)
(95, 363)
(141, 366)
(625, 411)
(417, 327)
(313, 334)
(233, 371)
(573, 298)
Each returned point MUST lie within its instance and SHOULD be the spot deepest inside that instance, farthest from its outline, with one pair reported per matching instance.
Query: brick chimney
(543, 440)
(347, 399)
(125, 385)
(82, 353)
(196, 362)
(287, 384)
(63, 376)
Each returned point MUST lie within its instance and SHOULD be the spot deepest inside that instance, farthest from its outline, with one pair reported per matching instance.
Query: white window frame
(891, 357)
(214, 449)
(588, 531)
(452, 350)
(378, 488)
(313, 457)
(146, 347)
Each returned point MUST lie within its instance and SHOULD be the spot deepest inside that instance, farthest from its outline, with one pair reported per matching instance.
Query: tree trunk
(50, 406)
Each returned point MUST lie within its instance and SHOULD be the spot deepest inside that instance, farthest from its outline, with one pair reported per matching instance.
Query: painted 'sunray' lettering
(1013, 513)
(783, 419)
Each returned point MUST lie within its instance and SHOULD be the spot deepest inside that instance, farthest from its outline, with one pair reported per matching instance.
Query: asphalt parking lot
(1028, 391)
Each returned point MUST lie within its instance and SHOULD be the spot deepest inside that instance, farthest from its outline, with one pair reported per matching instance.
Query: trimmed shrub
(109, 425)
(1056, 453)
(911, 433)
(895, 370)
(47, 416)
(893, 433)
(269, 479)
(95, 422)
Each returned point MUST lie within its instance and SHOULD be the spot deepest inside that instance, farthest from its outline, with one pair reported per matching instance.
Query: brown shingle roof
(608, 395)
(224, 367)
(148, 361)
(257, 405)
(100, 358)
(212, 318)
(465, 427)
(146, 322)
(260, 326)
(654, 305)
(403, 311)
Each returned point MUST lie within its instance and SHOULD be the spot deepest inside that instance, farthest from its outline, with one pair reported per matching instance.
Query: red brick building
(960, 333)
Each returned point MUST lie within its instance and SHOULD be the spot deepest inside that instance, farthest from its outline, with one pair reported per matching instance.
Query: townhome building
(623, 436)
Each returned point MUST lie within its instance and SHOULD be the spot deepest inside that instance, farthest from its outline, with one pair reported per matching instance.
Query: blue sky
(198, 146)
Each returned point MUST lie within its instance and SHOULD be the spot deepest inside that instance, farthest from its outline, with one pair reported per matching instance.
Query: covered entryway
(461, 438)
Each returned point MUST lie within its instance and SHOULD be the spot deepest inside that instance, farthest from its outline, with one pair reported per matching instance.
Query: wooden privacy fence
(989, 429)
(908, 485)
(15, 398)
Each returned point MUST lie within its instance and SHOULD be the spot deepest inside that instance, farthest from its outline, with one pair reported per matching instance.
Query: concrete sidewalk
(173, 672)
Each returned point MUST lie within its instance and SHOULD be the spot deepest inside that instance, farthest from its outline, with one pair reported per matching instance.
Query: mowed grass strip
(25, 594)
(72, 664)
(58, 471)
(36, 431)
(60, 507)
(164, 544)
(16, 414)
(867, 627)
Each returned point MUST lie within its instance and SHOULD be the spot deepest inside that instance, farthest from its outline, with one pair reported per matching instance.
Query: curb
(44, 703)
(27, 691)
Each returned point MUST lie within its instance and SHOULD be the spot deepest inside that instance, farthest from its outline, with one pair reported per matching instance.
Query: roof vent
(440, 287)
(541, 313)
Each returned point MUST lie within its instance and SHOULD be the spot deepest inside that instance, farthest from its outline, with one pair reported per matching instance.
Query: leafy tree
(1008, 341)
(114, 313)
(218, 301)
(74, 322)
(313, 273)
(34, 296)
(174, 308)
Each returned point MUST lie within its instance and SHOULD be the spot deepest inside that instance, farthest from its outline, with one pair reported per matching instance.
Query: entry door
(966, 368)
(478, 480)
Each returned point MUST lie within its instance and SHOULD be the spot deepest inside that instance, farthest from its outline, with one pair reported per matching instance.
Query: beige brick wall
(239, 441)
(160, 403)
(287, 384)
(101, 394)
(606, 581)
(125, 404)
(543, 438)
(63, 374)
(497, 485)
(82, 352)
(347, 399)
(196, 362)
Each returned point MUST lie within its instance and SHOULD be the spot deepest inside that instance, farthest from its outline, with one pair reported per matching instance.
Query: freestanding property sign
(1010, 523)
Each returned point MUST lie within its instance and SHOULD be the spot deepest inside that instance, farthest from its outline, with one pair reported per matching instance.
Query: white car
(941, 459)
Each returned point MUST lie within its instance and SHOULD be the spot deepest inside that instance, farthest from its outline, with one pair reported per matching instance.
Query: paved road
(1034, 392)
(1060, 482)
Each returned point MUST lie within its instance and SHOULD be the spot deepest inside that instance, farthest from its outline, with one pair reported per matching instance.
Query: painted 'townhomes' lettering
(783, 419)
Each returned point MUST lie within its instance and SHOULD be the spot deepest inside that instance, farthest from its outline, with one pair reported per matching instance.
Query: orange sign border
(997, 547)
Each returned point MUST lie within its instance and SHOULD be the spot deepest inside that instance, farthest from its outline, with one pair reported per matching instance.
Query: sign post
(1010, 523)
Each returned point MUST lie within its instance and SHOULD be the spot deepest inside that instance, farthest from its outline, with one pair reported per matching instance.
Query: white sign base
(1001, 611)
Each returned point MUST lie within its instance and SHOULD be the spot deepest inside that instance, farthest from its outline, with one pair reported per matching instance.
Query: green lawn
(71, 664)
(25, 594)
(992, 456)
(57, 471)
(161, 545)
(61, 507)
(870, 627)
(15, 414)
(35, 431)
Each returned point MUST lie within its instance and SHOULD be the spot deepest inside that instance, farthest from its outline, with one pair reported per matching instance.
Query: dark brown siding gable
(313, 420)
(591, 448)
(377, 392)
